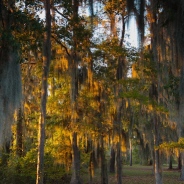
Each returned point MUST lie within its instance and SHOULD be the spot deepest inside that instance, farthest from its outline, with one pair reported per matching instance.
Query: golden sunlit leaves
(172, 145)
(134, 72)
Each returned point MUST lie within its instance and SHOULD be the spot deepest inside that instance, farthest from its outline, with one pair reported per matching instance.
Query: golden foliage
(134, 72)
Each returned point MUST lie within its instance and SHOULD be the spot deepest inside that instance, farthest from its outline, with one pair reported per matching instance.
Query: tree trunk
(104, 175)
(119, 163)
(170, 161)
(157, 154)
(10, 79)
(75, 161)
(73, 63)
(179, 161)
(145, 155)
(46, 65)
(74, 93)
(91, 166)
(19, 134)
(182, 166)
(112, 160)
(130, 152)
(181, 119)
(97, 154)
(158, 168)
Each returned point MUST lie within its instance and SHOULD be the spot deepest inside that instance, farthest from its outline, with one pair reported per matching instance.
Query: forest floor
(137, 174)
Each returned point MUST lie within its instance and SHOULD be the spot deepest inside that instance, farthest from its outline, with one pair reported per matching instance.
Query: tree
(46, 65)
(10, 80)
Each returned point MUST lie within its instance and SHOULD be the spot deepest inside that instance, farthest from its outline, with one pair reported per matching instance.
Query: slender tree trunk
(97, 154)
(91, 166)
(89, 149)
(112, 160)
(181, 118)
(119, 131)
(119, 163)
(46, 65)
(158, 168)
(130, 152)
(170, 161)
(76, 161)
(182, 166)
(120, 74)
(76, 152)
(157, 154)
(179, 161)
(104, 175)
(19, 134)
(73, 63)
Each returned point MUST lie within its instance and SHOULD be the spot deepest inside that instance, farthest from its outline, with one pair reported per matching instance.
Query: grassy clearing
(137, 174)
(144, 175)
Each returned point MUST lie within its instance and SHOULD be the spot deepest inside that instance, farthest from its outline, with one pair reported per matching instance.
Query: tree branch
(55, 9)
(62, 45)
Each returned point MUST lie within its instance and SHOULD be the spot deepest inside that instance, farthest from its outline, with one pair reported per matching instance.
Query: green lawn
(144, 175)
(137, 174)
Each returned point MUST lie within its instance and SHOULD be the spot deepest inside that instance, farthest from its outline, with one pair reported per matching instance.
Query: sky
(131, 30)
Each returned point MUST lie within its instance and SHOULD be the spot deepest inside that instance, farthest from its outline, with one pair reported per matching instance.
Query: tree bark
(157, 154)
(75, 161)
(179, 161)
(112, 160)
(73, 63)
(170, 161)
(91, 166)
(10, 74)
(19, 133)
(119, 163)
(158, 168)
(46, 65)
(104, 175)
(181, 119)
(130, 152)
(182, 166)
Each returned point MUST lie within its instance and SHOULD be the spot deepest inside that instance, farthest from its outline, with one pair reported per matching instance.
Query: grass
(137, 174)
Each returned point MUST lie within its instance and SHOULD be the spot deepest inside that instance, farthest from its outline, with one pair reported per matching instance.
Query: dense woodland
(75, 96)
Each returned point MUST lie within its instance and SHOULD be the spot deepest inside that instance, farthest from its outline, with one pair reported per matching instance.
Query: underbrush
(23, 170)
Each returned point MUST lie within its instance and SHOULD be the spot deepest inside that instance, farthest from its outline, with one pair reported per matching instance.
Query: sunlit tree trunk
(46, 65)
